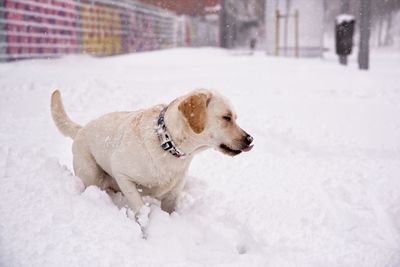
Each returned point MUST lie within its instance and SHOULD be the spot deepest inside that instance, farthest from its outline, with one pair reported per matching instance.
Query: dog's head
(212, 119)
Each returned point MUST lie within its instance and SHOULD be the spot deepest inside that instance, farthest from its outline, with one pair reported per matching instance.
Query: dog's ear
(194, 109)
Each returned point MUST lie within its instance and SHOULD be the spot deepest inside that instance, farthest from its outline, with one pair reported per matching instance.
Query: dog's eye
(227, 118)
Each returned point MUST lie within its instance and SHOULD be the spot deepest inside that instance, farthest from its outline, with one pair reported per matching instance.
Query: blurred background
(299, 28)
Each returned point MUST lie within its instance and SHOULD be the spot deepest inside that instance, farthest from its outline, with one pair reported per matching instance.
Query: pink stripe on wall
(16, 12)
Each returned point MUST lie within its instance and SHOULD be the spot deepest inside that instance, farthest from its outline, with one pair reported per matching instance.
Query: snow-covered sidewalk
(320, 188)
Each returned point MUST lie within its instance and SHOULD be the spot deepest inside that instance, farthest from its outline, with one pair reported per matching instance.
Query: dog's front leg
(168, 203)
(135, 201)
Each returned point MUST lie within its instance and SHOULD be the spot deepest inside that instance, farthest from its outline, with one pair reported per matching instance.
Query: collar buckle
(165, 138)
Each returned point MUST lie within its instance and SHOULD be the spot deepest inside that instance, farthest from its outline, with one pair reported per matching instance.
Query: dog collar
(165, 138)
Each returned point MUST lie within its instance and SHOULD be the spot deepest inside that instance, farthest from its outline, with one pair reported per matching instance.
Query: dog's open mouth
(233, 152)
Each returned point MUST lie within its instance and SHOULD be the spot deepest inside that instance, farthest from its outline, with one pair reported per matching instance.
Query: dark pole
(286, 27)
(224, 26)
(365, 31)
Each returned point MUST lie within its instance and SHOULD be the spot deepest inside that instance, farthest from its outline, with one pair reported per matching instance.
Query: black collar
(165, 138)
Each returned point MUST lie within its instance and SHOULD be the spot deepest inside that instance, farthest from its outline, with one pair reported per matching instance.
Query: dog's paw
(142, 216)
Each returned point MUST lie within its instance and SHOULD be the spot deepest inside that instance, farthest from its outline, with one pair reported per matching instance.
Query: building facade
(294, 27)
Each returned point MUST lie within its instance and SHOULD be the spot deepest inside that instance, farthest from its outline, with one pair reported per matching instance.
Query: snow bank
(320, 187)
(54, 222)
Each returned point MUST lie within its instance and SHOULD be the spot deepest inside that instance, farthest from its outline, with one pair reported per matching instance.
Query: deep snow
(320, 188)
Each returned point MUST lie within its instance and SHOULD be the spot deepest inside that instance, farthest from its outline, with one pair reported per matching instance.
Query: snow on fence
(51, 28)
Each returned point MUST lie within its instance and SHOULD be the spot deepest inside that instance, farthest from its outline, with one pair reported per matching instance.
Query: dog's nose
(249, 139)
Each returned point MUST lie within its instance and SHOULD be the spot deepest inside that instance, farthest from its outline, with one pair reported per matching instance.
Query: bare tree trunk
(380, 26)
(365, 31)
(388, 37)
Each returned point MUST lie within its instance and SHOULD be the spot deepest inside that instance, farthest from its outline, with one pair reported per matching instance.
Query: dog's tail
(64, 124)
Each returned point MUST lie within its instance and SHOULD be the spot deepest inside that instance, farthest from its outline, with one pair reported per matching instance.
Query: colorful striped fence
(51, 28)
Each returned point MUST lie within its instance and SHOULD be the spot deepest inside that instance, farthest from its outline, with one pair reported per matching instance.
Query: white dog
(148, 152)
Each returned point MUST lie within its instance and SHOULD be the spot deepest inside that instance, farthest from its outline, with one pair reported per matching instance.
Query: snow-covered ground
(320, 188)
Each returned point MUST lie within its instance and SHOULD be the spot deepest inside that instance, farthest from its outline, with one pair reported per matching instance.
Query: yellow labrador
(148, 152)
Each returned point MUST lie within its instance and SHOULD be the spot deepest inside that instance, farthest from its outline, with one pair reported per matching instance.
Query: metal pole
(344, 9)
(224, 25)
(365, 31)
(296, 33)
(343, 60)
(324, 7)
(277, 32)
(286, 28)
(266, 29)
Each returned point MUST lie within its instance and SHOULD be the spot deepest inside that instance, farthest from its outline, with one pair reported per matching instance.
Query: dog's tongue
(247, 148)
